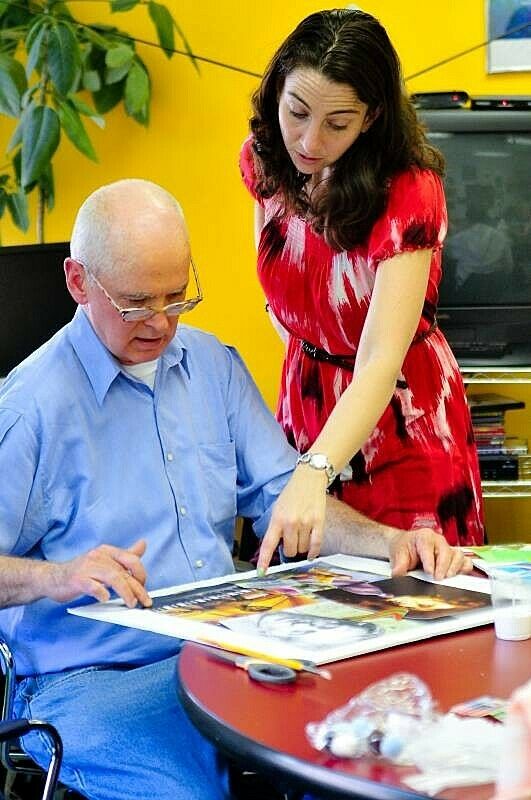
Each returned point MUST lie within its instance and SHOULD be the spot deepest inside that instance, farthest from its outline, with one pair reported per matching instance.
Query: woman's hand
(297, 518)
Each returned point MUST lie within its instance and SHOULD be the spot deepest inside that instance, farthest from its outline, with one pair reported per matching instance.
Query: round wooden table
(263, 727)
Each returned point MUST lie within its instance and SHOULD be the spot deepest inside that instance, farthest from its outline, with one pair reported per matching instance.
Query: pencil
(297, 665)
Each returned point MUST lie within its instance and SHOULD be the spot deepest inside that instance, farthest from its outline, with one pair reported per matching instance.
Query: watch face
(319, 461)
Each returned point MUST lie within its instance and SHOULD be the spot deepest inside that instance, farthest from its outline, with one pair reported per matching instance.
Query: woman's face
(319, 119)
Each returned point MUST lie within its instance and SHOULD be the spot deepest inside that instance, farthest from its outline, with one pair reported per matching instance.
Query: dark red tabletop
(262, 726)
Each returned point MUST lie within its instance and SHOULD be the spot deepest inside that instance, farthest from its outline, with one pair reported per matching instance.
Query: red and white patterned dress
(419, 466)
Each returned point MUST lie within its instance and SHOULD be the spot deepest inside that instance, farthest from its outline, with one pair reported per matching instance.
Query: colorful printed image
(419, 599)
(226, 601)
(311, 578)
(319, 604)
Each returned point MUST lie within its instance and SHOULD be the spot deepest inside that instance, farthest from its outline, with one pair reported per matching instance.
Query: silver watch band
(320, 462)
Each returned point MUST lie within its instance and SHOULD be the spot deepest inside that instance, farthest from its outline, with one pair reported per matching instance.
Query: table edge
(294, 771)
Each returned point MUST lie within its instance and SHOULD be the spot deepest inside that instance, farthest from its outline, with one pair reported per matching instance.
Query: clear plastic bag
(396, 719)
(379, 721)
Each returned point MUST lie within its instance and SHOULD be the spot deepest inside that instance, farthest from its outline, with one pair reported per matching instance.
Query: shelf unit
(478, 374)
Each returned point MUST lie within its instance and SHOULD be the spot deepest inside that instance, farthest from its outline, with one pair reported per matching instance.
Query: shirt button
(182, 509)
(199, 563)
(169, 456)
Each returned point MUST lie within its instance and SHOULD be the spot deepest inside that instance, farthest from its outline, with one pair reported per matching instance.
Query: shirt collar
(101, 366)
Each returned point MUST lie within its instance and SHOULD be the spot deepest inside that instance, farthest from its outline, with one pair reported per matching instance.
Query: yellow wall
(198, 123)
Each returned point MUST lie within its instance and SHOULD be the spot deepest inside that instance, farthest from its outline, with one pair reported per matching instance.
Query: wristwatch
(318, 461)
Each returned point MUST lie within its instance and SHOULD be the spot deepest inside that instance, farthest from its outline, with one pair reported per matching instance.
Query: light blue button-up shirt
(88, 455)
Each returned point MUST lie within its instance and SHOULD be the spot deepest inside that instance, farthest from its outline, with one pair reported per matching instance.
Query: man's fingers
(460, 563)
(130, 590)
(466, 566)
(426, 550)
(97, 590)
(443, 560)
(117, 570)
(113, 576)
(138, 548)
(127, 559)
(131, 564)
(400, 561)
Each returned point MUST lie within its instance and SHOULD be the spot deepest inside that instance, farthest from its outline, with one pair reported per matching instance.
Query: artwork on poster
(510, 19)
(323, 610)
(489, 556)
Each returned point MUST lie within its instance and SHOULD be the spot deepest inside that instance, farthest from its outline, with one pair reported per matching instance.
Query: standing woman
(350, 221)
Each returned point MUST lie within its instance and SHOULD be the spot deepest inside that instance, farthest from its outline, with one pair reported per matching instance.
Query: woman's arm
(392, 319)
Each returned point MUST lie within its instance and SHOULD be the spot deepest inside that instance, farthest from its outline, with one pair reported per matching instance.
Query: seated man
(127, 451)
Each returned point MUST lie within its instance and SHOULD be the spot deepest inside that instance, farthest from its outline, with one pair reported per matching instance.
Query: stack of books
(498, 453)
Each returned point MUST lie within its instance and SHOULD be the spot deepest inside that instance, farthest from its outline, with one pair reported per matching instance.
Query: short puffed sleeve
(248, 168)
(414, 219)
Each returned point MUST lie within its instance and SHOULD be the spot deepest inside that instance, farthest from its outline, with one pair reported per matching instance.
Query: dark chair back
(15, 729)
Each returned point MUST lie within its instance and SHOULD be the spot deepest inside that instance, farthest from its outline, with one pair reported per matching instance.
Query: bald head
(116, 223)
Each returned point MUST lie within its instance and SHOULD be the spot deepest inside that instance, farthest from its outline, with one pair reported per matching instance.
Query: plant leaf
(47, 184)
(187, 47)
(61, 10)
(91, 80)
(87, 110)
(119, 56)
(16, 138)
(96, 38)
(108, 97)
(13, 84)
(123, 5)
(137, 90)
(33, 46)
(74, 128)
(116, 74)
(17, 164)
(64, 58)
(18, 208)
(163, 21)
(40, 138)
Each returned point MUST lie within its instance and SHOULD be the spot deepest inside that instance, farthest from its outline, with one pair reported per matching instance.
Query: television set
(485, 293)
(34, 300)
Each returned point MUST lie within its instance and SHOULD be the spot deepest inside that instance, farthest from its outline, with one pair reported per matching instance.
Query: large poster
(324, 610)
(512, 20)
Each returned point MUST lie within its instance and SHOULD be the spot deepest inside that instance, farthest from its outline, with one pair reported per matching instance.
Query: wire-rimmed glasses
(146, 312)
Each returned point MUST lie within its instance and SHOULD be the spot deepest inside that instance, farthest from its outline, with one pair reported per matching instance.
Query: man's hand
(297, 518)
(429, 550)
(94, 573)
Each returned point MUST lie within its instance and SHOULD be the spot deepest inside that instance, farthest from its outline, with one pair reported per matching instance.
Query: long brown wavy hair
(348, 47)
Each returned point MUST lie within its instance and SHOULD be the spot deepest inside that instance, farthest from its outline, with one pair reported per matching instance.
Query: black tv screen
(485, 293)
(34, 300)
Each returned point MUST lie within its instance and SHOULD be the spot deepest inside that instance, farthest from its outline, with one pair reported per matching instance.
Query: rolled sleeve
(21, 502)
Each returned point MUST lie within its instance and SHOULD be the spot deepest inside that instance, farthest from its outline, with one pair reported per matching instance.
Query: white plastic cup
(511, 601)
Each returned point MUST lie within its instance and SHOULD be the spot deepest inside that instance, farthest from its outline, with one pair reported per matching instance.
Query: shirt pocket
(219, 472)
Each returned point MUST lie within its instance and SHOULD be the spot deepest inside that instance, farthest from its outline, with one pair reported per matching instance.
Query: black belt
(347, 362)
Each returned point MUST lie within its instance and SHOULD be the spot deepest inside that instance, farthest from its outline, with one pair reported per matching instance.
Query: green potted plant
(51, 66)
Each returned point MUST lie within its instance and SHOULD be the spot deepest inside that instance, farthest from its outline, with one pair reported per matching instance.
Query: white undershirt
(144, 372)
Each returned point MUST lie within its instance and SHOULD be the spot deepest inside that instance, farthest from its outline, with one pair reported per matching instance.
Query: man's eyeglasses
(146, 312)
